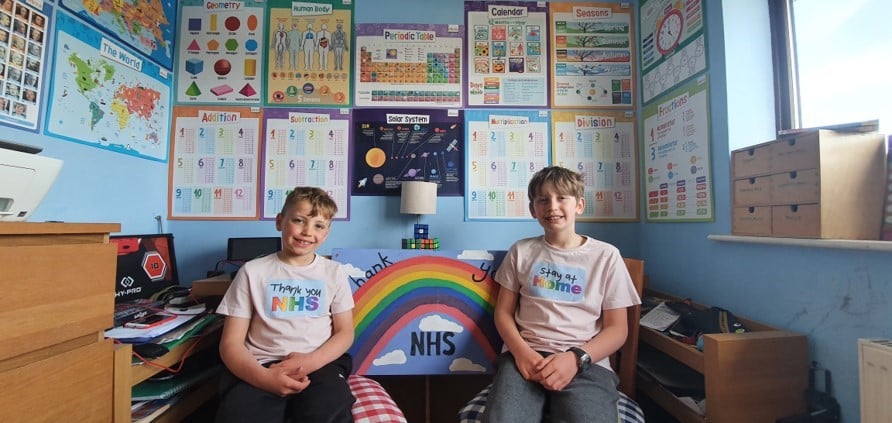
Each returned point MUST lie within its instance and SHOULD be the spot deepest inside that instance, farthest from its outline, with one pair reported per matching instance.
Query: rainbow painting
(423, 312)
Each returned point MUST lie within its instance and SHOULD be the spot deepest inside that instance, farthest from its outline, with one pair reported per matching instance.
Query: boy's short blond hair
(565, 181)
(321, 203)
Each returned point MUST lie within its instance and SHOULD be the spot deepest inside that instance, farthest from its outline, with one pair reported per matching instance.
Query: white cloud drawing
(475, 255)
(465, 365)
(354, 271)
(436, 323)
(391, 358)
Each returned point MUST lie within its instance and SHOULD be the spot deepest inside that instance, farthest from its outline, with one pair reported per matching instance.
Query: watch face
(669, 31)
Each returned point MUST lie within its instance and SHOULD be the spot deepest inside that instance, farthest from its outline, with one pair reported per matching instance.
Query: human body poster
(308, 62)
(104, 95)
(677, 167)
(673, 44)
(507, 54)
(504, 148)
(213, 166)
(23, 41)
(603, 147)
(220, 52)
(304, 147)
(593, 55)
(409, 65)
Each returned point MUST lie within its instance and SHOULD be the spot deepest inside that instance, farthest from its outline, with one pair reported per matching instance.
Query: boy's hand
(527, 362)
(283, 381)
(304, 361)
(556, 371)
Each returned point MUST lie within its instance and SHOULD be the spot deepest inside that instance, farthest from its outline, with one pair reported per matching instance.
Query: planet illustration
(375, 157)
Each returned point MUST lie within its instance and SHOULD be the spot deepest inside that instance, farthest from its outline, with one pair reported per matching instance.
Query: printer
(25, 178)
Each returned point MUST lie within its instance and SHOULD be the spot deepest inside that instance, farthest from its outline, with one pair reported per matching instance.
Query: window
(833, 62)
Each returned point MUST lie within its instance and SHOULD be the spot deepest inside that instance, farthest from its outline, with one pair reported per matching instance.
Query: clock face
(669, 31)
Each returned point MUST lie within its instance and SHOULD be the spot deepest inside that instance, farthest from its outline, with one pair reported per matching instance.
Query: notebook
(146, 265)
(194, 372)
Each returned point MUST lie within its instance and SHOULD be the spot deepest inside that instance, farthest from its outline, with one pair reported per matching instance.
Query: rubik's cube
(421, 231)
(421, 240)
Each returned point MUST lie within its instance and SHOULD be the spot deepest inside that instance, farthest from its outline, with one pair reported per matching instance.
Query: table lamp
(418, 198)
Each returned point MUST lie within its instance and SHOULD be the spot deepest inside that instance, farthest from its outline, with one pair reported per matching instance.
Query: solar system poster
(396, 145)
(423, 312)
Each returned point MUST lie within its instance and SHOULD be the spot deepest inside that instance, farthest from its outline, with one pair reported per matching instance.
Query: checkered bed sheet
(373, 404)
(628, 409)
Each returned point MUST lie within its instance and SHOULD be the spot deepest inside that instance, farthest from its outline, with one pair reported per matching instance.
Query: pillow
(373, 404)
(628, 409)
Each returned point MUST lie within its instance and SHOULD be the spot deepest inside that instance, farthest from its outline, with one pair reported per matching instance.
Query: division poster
(309, 49)
(396, 145)
(306, 147)
(409, 65)
(104, 95)
(144, 25)
(603, 147)
(677, 168)
(673, 44)
(504, 148)
(507, 54)
(594, 61)
(423, 312)
(23, 41)
(213, 166)
(220, 52)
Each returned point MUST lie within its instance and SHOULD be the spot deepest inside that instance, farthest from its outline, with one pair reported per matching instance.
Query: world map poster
(144, 25)
(105, 95)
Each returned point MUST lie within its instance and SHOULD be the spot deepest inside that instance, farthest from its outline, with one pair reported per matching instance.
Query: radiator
(875, 373)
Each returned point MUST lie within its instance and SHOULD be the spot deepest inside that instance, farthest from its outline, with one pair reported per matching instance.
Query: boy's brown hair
(321, 203)
(564, 180)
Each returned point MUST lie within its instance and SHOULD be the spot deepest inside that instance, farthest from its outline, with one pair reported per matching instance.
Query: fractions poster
(603, 147)
(504, 149)
(220, 56)
(23, 35)
(309, 53)
(402, 65)
(306, 147)
(673, 44)
(678, 184)
(507, 54)
(396, 145)
(213, 167)
(594, 61)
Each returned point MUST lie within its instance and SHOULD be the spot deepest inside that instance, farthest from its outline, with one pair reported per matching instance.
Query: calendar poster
(504, 148)
(677, 167)
(220, 49)
(507, 54)
(603, 147)
(396, 145)
(405, 65)
(306, 147)
(213, 165)
(309, 51)
(593, 55)
(673, 44)
(23, 62)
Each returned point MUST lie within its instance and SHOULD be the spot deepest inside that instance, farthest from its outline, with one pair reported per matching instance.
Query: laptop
(146, 265)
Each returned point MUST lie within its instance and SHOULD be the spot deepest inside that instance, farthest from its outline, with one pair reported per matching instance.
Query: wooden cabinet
(58, 298)
(757, 376)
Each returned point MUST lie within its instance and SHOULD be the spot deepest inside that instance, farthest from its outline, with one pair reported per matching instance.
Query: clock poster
(673, 44)
(593, 55)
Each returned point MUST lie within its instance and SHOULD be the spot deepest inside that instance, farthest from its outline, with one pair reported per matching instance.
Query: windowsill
(844, 244)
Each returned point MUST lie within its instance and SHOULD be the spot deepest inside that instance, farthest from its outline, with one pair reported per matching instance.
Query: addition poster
(673, 44)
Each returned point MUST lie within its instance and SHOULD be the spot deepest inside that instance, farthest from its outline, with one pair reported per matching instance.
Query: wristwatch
(583, 360)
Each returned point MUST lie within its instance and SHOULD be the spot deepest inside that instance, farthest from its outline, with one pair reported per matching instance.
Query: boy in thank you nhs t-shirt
(561, 311)
(289, 324)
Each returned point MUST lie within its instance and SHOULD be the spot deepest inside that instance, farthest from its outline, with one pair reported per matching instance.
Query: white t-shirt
(562, 292)
(290, 307)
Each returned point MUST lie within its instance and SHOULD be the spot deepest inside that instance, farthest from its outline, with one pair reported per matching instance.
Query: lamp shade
(418, 197)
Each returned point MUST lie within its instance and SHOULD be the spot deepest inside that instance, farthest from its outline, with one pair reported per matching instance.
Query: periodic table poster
(504, 148)
(213, 164)
(507, 54)
(603, 147)
(306, 147)
(412, 65)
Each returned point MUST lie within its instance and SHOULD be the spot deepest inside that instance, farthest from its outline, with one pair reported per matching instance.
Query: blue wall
(833, 296)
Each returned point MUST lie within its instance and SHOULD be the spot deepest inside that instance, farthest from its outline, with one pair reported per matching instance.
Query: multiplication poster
(400, 65)
(677, 168)
(213, 165)
(603, 147)
(221, 52)
(309, 53)
(504, 148)
(396, 145)
(306, 147)
(507, 54)
(673, 44)
(593, 55)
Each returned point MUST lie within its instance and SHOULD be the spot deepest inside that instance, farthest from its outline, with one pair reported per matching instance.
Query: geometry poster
(309, 59)
(396, 145)
(105, 95)
(220, 52)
